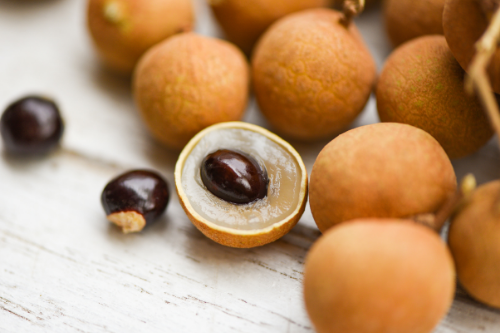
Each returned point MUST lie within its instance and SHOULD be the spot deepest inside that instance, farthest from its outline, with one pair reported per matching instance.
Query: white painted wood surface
(64, 268)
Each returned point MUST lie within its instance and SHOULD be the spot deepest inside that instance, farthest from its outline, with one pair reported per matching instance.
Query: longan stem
(437, 221)
(478, 78)
(351, 9)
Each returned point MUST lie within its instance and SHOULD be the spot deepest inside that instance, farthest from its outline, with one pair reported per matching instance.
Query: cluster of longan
(377, 268)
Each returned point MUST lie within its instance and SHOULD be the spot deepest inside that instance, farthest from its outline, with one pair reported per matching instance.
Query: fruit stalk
(437, 221)
(477, 79)
(351, 9)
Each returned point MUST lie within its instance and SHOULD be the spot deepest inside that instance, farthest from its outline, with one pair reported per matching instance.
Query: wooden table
(64, 268)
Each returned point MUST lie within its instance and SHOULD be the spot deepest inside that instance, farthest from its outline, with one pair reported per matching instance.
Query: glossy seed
(135, 199)
(31, 126)
(234, 176)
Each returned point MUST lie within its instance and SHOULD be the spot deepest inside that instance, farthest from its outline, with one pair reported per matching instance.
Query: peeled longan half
(244, 21)
(464, 22)
(187, 83)
(384, 275)
(385, 170)
(311, 75)
(122, 30)
(408, 19)
(474, 242)
(259, 220)
(423, 85)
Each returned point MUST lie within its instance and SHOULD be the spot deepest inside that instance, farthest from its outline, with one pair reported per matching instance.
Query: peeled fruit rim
(179, 166)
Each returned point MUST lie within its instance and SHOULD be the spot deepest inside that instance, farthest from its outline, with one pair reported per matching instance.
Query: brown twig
(351, 9)
(437, 221)
(477, 79)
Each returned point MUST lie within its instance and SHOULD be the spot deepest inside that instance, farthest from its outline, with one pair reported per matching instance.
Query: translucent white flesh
(282, 169)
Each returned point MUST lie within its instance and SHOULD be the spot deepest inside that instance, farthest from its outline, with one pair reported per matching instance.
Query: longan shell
(423, 85)
(385, 170)
(464, 23)
(121, 41)
(385, 275)
(233, 237)
(474, 242)
(409, 19)
(187, 83)
(311, 75)
(245, 21)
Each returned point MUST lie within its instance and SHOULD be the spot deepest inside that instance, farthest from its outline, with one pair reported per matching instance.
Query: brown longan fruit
(474, 242)
(380, 170)
(245, 21)
(423, 85)
(464, 22)
(378, 275)
(408, 19)
(187, 83)
(122, 30)
(312, 76)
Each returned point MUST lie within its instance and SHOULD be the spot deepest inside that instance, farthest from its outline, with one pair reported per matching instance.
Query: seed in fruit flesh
(31, 126)
(380, 170)
(135, 199)
(312, 76)
(474, 243)
(234, 176)
(423, 85)
(187, 83)
(378, 275)
(280, 185)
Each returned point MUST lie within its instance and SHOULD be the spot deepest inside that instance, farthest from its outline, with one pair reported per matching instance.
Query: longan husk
(464, 22)
(409, 19)
(385, 170)
(378, 275)
(423, 85)
(474, 242)
(311, 75)
(243, 21)
(187, 83)
(122, 30)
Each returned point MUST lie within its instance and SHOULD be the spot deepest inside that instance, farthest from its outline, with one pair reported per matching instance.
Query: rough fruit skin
(122, 30)
(190, 82)
(380, 170)
(464, 23)
(311, 75)
(408, 19)
(474, 242)
(423, 85)
(245, 21)
(368, 276)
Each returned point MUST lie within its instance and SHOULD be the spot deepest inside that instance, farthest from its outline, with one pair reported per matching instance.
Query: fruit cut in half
(246, 225)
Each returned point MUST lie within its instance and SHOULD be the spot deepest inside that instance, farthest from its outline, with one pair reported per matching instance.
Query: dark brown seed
(31, 126)
(135, 199)
(234, 176)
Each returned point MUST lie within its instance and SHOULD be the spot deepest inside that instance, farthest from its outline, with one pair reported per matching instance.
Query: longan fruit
(464, 22)
(245, 21)
(312, 76)
(408, 19)
(122, 30)
(385, 170)
(187, 83)
(423, 85)
(378, 275)
(474, 242)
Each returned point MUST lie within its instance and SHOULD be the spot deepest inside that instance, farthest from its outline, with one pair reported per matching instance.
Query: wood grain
(64, 268)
